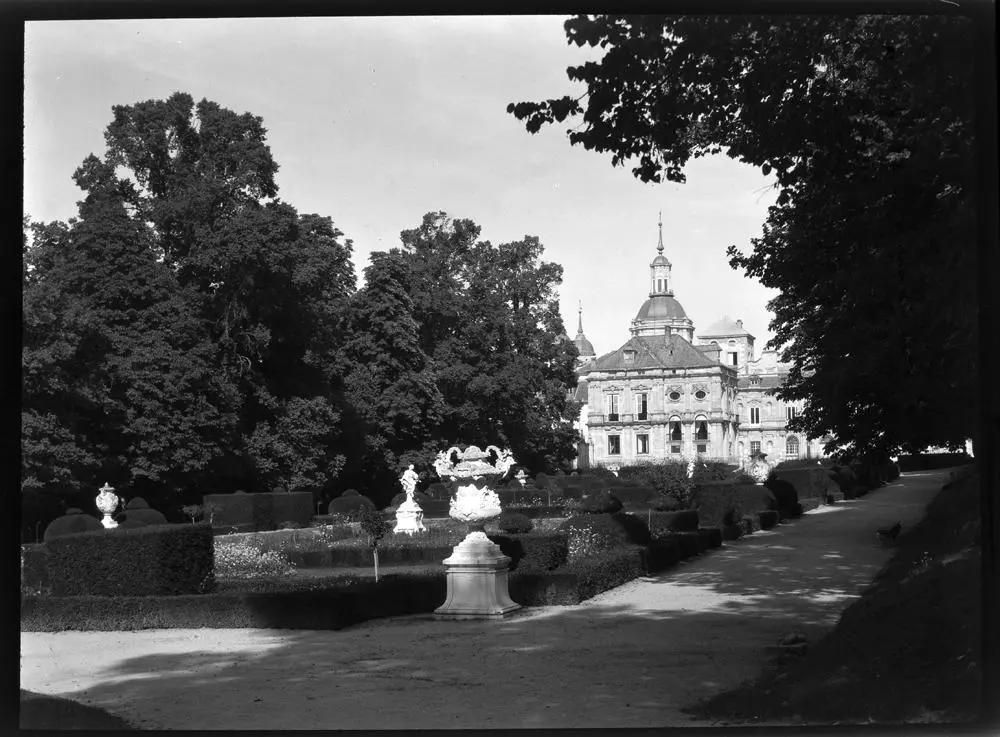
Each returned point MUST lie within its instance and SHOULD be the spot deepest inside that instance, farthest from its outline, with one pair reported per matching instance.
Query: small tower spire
(659, 246)
(579, 329)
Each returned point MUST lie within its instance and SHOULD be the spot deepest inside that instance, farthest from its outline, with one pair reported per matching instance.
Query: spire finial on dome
(659, 246)
(580, 328)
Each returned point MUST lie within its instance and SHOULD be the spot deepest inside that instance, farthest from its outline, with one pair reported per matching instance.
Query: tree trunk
(375, 552)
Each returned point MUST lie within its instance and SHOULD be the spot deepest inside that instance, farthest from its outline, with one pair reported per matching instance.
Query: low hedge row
(141, 561)
(319, 608)
(535, 551)
(34, 567)
(685, 520)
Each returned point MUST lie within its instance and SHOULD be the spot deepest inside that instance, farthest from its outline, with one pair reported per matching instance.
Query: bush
(711, 537)
(668, 478)
(161, 559)
(845, 479)
(137, 510)
(514, 523)
(535, 551)
(602, 502)
(606, 570)
(590, 534)
(689, 544)
(635, 495)
(71, 523)
(784, 493)
(768, 519)
(419, 497)
(724, 504)
(261, 511)
(712, 471)
(350, 504)
(664, 523)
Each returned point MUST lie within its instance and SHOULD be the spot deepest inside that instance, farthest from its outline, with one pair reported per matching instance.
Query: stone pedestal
(477, 581)
(409, 518)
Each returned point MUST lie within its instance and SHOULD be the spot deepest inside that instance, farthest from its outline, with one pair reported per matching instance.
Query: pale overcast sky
(376, 121)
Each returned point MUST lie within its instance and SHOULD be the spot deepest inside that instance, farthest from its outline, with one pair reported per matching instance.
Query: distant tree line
(191, 333)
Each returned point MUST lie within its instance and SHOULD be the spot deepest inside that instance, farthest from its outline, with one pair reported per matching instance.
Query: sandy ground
(631, 657)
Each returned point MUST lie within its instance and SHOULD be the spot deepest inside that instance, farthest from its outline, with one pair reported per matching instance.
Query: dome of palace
(661, 307)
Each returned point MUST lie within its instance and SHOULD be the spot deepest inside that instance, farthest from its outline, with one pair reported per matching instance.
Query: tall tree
(865, 122)
(216, 314)
(488, 319)
(391, 384)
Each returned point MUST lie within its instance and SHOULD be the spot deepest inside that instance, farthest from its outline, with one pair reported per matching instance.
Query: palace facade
(673, 392)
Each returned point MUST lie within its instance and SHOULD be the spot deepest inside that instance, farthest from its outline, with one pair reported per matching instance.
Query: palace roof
(654, 352)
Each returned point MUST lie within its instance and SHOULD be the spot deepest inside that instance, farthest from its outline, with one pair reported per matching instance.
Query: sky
(377, 121)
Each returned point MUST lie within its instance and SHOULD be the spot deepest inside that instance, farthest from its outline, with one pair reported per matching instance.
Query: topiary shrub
(350, 503)
(602, 502)
(768, 519)
(845, 479)
(712, 471)
(514, 523)
(139, 512)
(74, 521)
(784, 493)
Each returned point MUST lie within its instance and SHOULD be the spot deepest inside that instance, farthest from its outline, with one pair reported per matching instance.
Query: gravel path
(631, 657)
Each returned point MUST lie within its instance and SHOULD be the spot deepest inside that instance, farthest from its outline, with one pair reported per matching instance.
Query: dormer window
(629, 356)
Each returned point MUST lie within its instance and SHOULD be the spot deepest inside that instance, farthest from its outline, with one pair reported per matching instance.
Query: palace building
(671, 391)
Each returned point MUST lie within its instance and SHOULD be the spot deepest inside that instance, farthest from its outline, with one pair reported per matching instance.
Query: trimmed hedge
(812, 482)
(34, 567)
(711, 537)
(138, 511)
(535, 551)
(145, 561)
(724, 504)
(359, 555)
(690, 543)
(317, 607)
(261, 511)
(636, 496)
(540, 512)
(768, 519)
(785, 493)
(660, 523)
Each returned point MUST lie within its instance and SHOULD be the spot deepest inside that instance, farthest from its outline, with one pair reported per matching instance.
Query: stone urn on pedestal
(758, 468)
(409, 515)
(476, 569)
(107, 503)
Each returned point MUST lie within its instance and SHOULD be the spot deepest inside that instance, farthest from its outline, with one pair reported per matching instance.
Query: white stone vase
(107, 503)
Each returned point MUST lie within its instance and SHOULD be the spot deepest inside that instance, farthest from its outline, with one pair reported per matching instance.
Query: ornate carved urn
(107, 503)
(759, 468)
(476, 569)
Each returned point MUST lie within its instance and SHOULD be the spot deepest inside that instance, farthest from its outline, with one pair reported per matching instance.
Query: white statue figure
(690, 469)
(409, 516)
(409, 482)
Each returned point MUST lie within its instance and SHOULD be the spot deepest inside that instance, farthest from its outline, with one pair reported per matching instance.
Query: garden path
(630, 657)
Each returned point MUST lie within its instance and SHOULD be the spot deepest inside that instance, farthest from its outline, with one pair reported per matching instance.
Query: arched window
(792, 447)
(768, 412)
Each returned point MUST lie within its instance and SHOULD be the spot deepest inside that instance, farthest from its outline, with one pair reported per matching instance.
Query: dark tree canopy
(866, 124)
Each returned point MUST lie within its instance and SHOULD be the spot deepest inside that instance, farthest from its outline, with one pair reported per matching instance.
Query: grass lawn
(907, 651)
(38, 711)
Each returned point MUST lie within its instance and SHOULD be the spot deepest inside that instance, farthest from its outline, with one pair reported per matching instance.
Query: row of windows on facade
(642, 444)
(641, 405)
